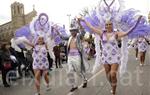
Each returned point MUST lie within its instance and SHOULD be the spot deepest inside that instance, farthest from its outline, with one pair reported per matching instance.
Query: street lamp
(69, 15)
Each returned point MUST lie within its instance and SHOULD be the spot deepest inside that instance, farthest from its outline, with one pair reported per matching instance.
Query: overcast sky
(58, 9)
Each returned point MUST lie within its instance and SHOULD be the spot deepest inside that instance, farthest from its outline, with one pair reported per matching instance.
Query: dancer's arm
(122, 34)
(28, 43)
(61, 36)
(81, 30)
(96, 30)
(146, 38)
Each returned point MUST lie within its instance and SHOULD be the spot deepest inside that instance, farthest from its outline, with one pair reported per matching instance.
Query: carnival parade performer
(104, 20)
(75, 52)
(142, 44)
(40, 36)
(40, 62)
(110, 51)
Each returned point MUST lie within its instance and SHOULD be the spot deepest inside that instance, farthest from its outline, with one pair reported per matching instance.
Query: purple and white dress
(40, 60)
(110, 50)
(142, 45)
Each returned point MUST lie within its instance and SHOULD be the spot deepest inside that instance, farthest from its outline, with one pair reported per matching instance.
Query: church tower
(17, 15)
(149, 17)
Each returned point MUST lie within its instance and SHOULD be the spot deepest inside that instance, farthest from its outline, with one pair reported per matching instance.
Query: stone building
(18, 19)
(149, 17)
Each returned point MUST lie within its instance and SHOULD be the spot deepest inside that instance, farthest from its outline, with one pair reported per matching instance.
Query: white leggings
(74, 68)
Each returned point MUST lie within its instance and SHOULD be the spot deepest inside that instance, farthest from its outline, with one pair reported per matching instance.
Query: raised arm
(28, 43)
(81, 30)
(61, 36)
(94, 29)
(122, 34)
(147, 39)
(64, 37)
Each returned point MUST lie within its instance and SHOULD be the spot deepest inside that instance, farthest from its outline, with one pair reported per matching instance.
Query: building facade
(149, 17)
(18, 19)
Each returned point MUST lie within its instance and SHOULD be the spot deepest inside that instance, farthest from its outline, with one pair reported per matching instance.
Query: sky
(58, 10)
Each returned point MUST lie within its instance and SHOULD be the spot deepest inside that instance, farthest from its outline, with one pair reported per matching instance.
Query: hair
(38, 39)
(3, 47)
(74, 30)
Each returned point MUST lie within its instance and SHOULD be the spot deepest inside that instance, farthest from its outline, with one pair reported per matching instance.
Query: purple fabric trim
(73, 52)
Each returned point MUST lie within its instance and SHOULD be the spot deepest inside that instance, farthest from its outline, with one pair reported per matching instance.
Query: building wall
(18, 19)
(149, 17)
(5, 31)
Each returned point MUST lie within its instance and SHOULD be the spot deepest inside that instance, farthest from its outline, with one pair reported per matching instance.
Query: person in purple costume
(110, 50)
(40, 62)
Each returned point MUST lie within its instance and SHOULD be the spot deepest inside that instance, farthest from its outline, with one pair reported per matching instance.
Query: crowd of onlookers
(11, 60)
(21, 62)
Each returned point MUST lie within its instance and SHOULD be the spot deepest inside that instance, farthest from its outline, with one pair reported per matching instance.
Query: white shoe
(37, 94)
(111, 91)
(48, 88)
(141, 64)
(136, 58)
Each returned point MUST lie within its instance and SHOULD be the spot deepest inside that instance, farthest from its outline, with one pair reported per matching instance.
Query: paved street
(135, 82)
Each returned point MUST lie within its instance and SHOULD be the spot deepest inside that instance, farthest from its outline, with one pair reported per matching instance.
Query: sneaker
(141, 64)
(60, 66)
(84, 84)
(6, 85)
(73, 89)
(136, 58)
(37, 94)
(48, 88)
(111, 91)
(50, 69)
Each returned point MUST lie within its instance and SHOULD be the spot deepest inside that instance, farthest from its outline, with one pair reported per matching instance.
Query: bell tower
(17, 15)
(149, 17)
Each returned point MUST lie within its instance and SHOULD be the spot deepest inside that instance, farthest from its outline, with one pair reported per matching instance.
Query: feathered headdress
(39, 26)
(122, 20)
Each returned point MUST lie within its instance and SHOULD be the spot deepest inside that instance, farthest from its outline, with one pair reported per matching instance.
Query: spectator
(56, 50)
(6, 63)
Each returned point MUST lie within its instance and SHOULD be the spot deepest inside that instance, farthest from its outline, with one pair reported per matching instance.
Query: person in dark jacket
(50, 60)
(56, 50)
(21, 59)
(5, 60)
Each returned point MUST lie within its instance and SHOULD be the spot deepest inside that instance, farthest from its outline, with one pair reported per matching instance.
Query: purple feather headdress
(122, 19)
(40, 23)
(40, 26)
